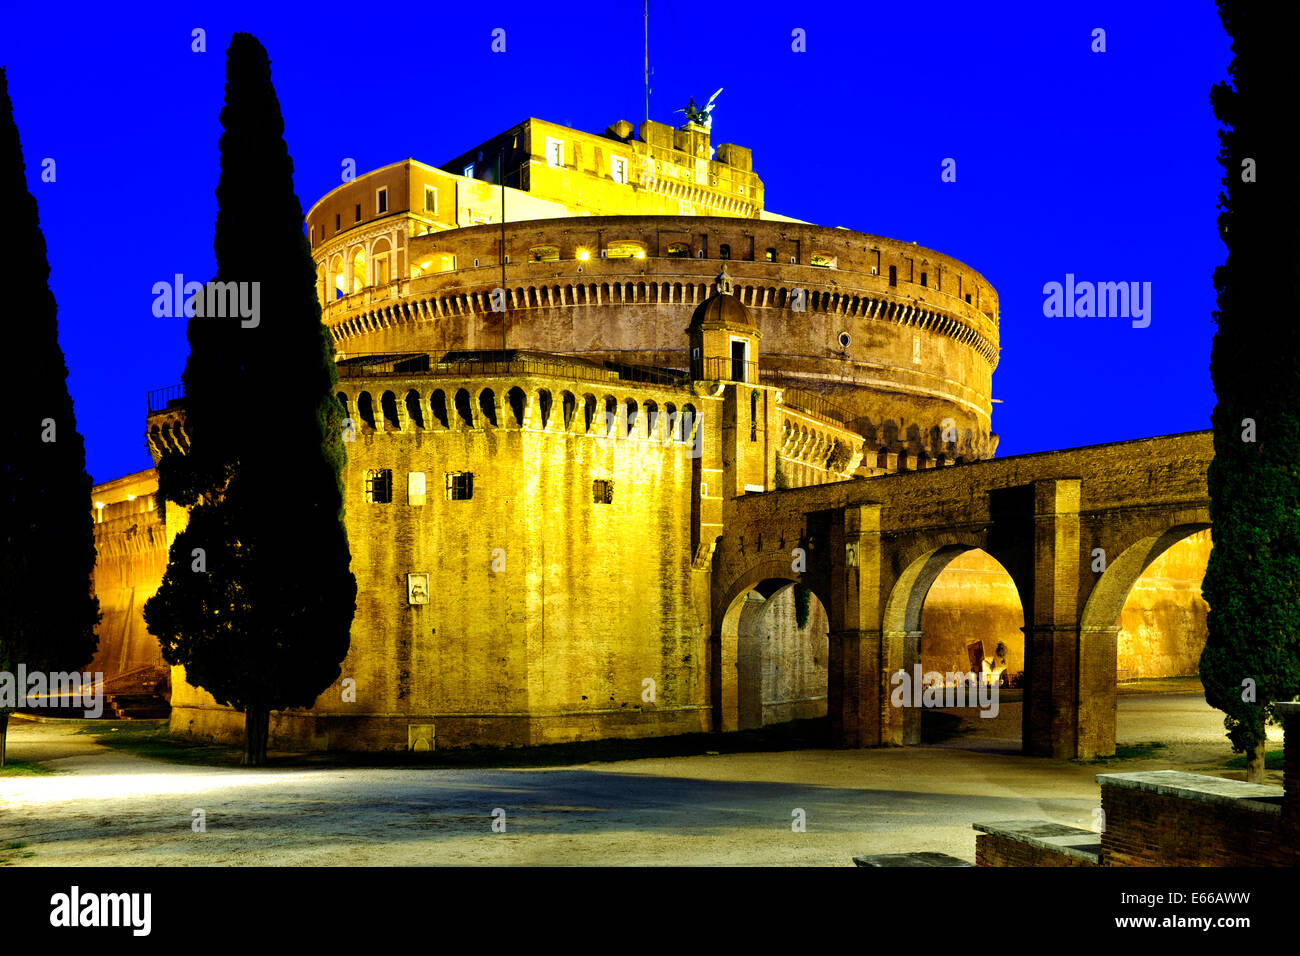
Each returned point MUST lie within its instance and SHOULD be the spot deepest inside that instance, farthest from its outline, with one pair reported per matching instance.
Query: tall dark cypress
(48, 611)
(258, 598)
(1252, 584)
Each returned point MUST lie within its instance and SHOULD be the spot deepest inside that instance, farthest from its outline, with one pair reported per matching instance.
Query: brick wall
(1155, 829)
(997, 850)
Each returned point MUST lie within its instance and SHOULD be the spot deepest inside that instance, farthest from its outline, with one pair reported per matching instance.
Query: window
(770, 255)
(967, 296)
(618, 169)
(893, 275)
(460, 485)
(338, 220)
(822, 261)
(379, 486)
(381, 269)
(358, 217)
(469, 170)
(312, 233)
(381, 201)
(430, 200)
(724, 251)
(544, 254)
(554, 152)
(753, 415)
(625, 250)
(602, 491)
(924, 279)
(679, 250)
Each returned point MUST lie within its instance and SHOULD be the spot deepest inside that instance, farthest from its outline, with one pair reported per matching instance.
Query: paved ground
(106, 807)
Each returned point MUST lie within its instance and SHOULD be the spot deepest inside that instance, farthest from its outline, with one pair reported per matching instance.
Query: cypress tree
(1252, 583)
(48, 611)
(258, 598)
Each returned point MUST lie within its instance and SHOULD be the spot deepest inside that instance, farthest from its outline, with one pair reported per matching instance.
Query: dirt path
(105, 807)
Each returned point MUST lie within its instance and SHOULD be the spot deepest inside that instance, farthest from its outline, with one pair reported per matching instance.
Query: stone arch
(544, 404)
(1098, 668)
(610, 425)
(672, 422)
(517, 403)
(632, 416)
(652, 420)
(464, 407)
(336, 278)
(414, 413)
(688, 423)
(588, 412)
(901, 627)
(357, 259)
(388, 406)
(568, 407)
(438, 405)
(487, 403)
(728, 685)
(366, 410)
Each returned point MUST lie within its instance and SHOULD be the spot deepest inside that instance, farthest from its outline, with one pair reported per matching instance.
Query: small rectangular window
(967, 296)
(925, 279)
(379, 486)
(358, 219)
(602, 491)
(338, 221)
(893, 275)
(554, 152)
(469, 170)
(460, 485)
(381, 201)
(618, 169)
(431, 200)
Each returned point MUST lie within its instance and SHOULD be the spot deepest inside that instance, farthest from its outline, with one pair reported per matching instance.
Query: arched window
(463, 408)
(413, 410)
(487, 404)
(517, 401)
(544, 406)
(358, 270)
(611, 416)
(568, 406)
(588, 412)
(366, 409)
(631, 417)
(337, 278)
(724, 251)
(651, 420)
(688, 424)
(671, 422)
(439, 406)
(388, 404)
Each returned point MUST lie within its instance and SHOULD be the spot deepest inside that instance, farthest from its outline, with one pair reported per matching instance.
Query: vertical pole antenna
(647, 60)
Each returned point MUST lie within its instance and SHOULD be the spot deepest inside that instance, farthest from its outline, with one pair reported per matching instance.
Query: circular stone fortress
(564, 356)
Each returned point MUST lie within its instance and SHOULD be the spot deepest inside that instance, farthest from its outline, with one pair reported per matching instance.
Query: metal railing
(383, 365)
(161, 399)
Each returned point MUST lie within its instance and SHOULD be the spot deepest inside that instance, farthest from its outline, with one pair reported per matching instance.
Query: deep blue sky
(1102, 165)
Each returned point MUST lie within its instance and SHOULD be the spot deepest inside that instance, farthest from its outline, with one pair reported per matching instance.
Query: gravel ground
(103, 807)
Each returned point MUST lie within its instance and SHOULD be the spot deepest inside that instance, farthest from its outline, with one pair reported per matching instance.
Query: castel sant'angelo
(568, 359)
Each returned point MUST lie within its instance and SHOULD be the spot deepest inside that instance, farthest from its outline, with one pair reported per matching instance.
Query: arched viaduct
(874, 547)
